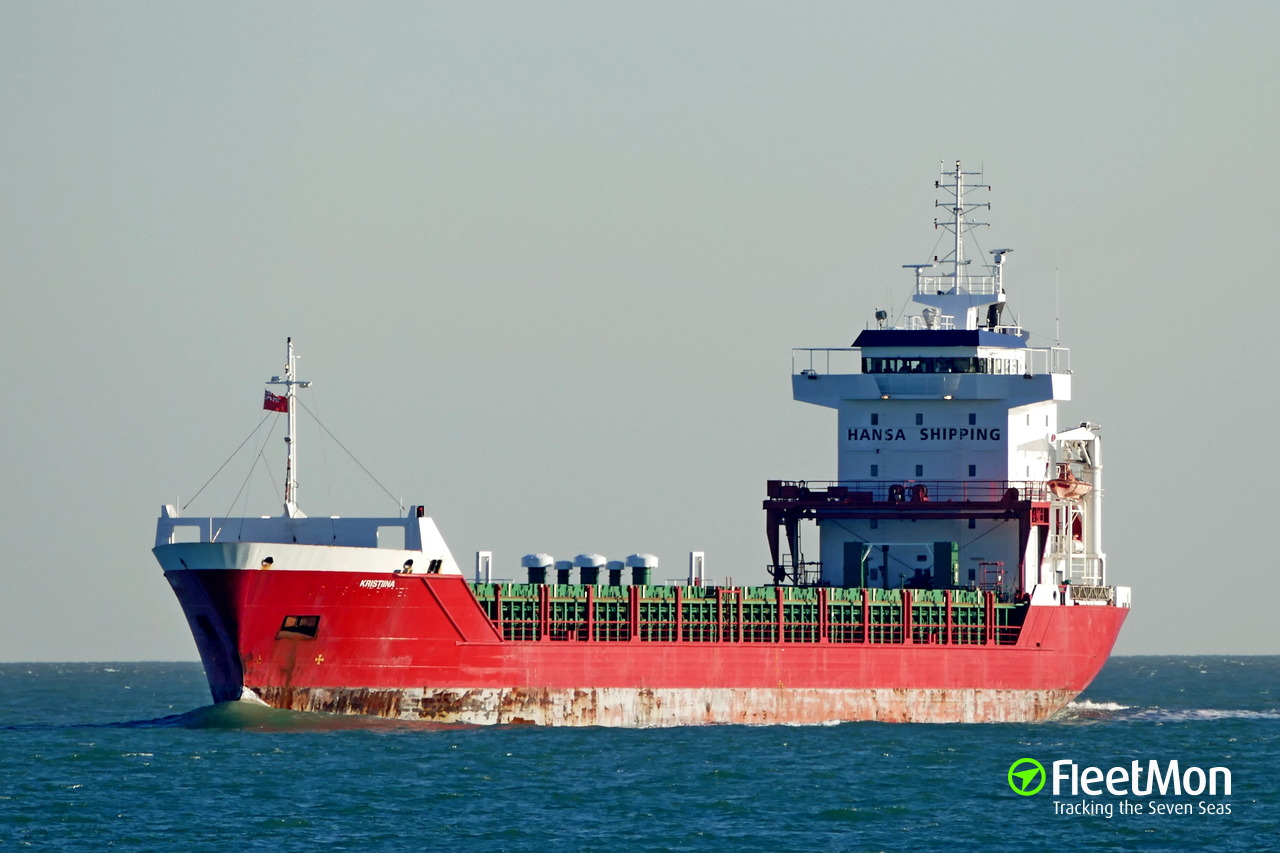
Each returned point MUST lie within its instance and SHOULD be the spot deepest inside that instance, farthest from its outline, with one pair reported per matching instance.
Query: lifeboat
(1066, 487)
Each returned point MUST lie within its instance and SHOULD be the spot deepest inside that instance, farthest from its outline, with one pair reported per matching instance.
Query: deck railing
(907, 491)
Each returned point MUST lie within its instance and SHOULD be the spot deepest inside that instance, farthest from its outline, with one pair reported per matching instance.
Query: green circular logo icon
(1026, 776)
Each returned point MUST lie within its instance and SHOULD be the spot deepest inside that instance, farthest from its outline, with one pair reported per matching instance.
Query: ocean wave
(1086, 706)
(1088, 711)
(1184, 715)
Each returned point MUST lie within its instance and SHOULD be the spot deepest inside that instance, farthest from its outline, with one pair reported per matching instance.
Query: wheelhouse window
(941, 364)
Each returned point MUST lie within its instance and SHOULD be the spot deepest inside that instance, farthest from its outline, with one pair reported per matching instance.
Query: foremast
(291, 385)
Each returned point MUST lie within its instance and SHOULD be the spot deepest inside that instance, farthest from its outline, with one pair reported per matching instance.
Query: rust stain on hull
(640, 707)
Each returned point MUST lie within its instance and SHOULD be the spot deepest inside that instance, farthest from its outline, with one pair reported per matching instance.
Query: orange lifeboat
(1066, 487)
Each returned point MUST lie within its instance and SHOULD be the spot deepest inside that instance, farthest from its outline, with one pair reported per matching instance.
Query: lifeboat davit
(1066, 487)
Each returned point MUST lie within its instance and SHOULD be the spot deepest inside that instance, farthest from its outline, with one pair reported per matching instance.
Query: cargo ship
(959, 574)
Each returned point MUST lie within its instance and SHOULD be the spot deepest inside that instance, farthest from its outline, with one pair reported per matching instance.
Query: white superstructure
(948, 438)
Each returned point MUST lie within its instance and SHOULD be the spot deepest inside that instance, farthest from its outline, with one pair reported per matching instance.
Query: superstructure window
(964, 364)
(973, 470)
(875, 470)
(919, 470)
(875, 418)
(919, 418)
(973, 418)
(301, 626)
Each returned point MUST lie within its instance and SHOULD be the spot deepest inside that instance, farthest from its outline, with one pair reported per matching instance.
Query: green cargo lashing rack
(768, 614)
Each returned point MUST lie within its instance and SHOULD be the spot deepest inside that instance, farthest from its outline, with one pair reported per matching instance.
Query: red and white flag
(275, 403)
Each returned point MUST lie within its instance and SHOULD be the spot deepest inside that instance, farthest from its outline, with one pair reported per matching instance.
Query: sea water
(130, 756)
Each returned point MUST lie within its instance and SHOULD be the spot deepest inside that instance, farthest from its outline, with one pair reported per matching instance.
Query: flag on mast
(275, 403)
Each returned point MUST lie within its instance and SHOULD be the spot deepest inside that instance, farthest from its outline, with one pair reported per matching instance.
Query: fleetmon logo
(1026, 776)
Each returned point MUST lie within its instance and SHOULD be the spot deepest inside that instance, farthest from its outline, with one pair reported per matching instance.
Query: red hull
(421, 647)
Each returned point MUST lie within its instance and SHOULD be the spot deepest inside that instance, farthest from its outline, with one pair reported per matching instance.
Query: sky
(545, 263)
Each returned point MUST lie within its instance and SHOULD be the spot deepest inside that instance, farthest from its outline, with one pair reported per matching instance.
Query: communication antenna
(959, 210)
(919, 268)
(1057, 320)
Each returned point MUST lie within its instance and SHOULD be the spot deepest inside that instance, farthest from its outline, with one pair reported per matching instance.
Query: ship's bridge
(959, 365)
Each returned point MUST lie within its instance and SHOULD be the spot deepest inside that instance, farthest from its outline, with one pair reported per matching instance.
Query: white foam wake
(1181, 715)
(1086, 705)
